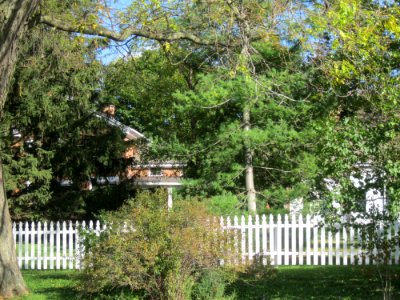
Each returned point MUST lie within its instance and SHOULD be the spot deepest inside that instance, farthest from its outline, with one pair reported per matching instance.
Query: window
(155, 172)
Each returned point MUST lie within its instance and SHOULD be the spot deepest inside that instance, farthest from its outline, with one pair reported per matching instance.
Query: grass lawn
(49, 285)
(328, 282)
(320, 282)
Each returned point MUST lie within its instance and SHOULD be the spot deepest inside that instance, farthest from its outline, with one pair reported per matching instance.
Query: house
(366, 181)
(165, 174)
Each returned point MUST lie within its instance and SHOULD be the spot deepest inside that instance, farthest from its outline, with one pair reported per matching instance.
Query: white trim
(159, 165)
(157, 183)
(129, 131)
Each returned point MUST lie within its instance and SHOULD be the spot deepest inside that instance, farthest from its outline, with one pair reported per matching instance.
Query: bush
(212, 284)
(150, 249)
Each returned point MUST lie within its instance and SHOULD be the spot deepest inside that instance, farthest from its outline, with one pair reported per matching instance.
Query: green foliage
(226, 204)
(142, 88)
(150, 249)
(48, 130)
(281, 137)
(212, 285)
(51, 89)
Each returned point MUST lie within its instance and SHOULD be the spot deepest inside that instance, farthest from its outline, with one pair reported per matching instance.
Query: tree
(49, 98)
(282, 116)
(358, 53)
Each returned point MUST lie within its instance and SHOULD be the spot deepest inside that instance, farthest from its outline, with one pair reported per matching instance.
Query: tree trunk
(14, 15)
(250, 188)
(11, 281)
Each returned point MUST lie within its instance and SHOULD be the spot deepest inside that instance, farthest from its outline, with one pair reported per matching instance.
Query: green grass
(50, 285)
(328, 282)
(307, 282)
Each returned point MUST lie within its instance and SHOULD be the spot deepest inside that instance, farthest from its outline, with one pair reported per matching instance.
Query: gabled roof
(131, 134)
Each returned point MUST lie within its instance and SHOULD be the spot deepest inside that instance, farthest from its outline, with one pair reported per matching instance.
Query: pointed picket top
(264, 219)
(91, 224)
(250, 219)
(300, 219)
(58, 225)
(228, 222)
(235, 221)
(279, 219)
(221, 221)
(271, 218)
(243, 220)
(286, 219)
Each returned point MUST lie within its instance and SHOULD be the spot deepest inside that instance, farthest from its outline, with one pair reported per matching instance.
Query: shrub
(151, 249)
(212, 284)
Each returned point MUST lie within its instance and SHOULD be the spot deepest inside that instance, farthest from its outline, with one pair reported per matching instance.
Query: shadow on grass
(327, 282)
(54, 284)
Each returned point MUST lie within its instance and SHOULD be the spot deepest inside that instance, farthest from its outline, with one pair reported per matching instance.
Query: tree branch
(102, 31)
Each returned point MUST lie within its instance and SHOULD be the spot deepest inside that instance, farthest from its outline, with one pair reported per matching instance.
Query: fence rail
(283, 240)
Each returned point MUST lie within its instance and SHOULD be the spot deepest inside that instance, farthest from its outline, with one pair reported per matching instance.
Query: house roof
(131, 134)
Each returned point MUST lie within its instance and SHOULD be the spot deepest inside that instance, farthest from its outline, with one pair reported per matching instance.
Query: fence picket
(264, 238)
(250, 238)
(286, 240)
(337, 247)
(345, 252)
(272, 237)
(26, 240)
(330, 248)
(45, 237)
(32, 245)
(64, 245)
(308, 240)
(52, 232)
(315, 244)
(301, 241)
(323, 241)
(58, 246)
(70, 245)
(39, 246)
(279, 240)
(294, 240)
(257, 236)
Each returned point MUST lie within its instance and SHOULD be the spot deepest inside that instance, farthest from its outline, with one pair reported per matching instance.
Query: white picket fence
(284, 240)
(53, 245)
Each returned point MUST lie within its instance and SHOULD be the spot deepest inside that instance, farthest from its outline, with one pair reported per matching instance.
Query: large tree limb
(126, 33)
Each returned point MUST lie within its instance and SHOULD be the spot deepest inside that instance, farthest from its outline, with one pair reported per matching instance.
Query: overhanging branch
(126, 33)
